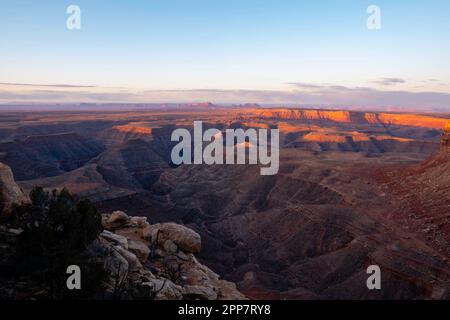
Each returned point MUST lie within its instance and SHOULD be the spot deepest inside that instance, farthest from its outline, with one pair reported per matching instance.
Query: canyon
(353, 189)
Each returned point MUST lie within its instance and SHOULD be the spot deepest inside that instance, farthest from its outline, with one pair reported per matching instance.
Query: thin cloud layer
(298, 93)
(389, 81)
(14, 84)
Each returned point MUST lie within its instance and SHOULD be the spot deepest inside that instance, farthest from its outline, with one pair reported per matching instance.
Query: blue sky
(246, 50)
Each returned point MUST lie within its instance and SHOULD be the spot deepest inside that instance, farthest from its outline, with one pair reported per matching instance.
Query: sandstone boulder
(199, 293)
(170, 247)
(186, 239)
(119, 219)
(140, 249)
(165, 289)
(138, 222)
(114, 238)
(131, 258)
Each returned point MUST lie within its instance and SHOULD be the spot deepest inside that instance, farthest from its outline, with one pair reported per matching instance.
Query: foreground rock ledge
(157, 261)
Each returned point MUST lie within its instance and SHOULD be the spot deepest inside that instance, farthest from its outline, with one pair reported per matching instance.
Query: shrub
(56, 231)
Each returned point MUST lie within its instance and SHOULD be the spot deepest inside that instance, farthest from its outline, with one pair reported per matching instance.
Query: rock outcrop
(421, 194)
(355, 117)
(134, 267)
(445, 140)
(142, 261)
(156, 261)
(184, 238)
(10, 192)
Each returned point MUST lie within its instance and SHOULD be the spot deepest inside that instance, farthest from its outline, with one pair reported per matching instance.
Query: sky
(263, 51)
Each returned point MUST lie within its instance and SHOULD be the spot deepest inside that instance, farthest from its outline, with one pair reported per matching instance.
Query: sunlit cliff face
(342, 137)
(447, 127)
(354, 117)
(407, 120)
(130, 128)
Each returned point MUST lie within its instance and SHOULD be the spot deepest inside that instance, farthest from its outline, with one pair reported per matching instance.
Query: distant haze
(228, 52)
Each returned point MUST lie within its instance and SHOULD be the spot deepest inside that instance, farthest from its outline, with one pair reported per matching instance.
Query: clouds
(372, 97)
(389, 81)
(62, 96)
(304, 85)
(13, 84)
(296, 93)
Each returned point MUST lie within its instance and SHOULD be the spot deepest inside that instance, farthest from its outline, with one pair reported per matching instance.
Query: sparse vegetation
(172, 269)
(56, 231)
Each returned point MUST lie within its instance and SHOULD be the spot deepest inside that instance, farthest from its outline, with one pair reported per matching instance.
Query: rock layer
(148, 266)
(9, 191)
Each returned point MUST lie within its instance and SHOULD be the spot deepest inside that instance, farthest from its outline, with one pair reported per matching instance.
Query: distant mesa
(133, 129)
(247, 106)
(201, 105)
(318, 137)
(385, 119)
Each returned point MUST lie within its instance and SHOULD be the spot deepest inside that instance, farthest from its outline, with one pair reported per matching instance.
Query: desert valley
(354, 188)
